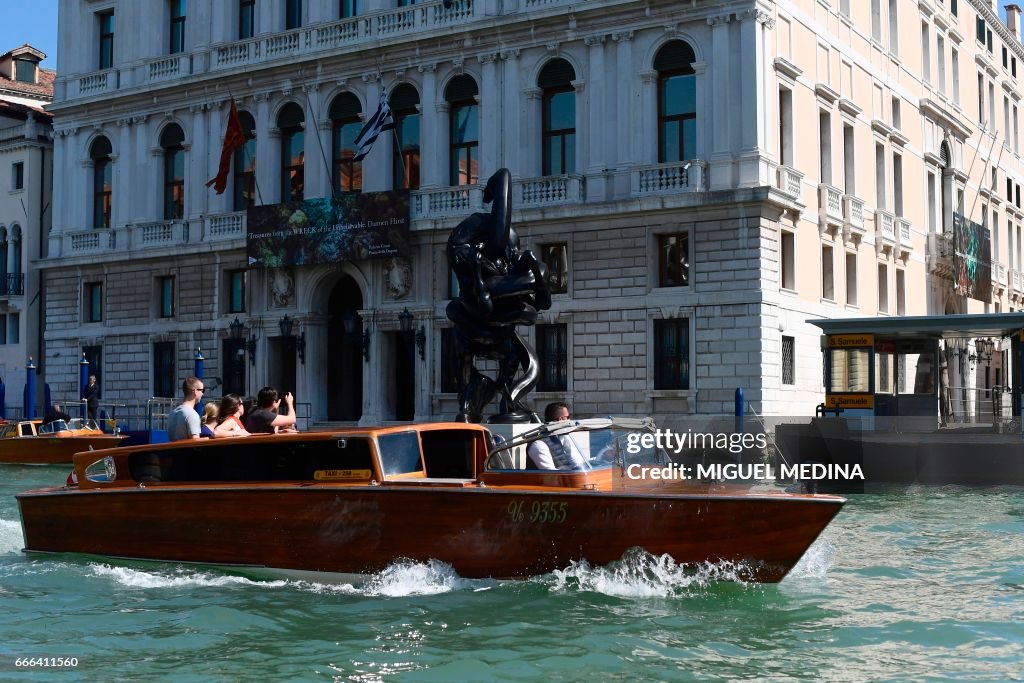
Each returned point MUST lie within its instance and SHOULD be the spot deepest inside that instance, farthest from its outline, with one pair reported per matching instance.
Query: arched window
(558, 118)
(463, 131)
(245, 165)
(15, 250)
(677, 102)
(405, 108)
(346, 175)
(4, 251)
(172, 140)
(293, 152)
(102, 182)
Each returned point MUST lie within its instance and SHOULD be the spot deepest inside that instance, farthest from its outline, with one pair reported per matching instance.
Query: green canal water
(925, 584)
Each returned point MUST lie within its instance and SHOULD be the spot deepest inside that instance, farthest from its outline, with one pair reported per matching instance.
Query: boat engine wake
(11, 538)
(642, 575)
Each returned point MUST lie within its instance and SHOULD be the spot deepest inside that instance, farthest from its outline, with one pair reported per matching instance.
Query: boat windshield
(83, 423)
(53, 427)
(583, 445)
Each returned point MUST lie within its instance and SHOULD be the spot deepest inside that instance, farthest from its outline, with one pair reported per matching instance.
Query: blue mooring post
(738, 426)
(30, 389)
(199, 375)
(83, 382)
(739, 410)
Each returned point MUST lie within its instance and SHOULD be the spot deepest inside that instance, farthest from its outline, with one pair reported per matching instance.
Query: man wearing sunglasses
(183, 422)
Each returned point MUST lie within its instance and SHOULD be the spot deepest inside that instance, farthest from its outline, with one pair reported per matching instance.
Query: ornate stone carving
(397, 277)
(282, 287)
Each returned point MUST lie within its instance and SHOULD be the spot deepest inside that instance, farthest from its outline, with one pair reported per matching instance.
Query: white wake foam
(11, 539)
(175, 577)
(816, 562)
(641, 575)
(406, 577)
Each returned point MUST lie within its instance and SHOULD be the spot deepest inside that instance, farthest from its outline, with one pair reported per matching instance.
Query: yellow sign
(839, 341)
(850, 401)
(341, 475)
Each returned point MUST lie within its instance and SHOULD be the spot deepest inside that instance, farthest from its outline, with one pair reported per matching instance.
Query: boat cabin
(923, 373)
(441, 454)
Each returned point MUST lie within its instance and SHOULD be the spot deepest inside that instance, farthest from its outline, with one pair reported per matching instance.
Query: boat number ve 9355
(538, 512)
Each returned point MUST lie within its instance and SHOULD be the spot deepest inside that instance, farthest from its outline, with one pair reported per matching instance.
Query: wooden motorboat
(353, 501)
(30, 442)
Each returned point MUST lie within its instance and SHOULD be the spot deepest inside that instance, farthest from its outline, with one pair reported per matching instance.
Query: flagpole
(320, 143)
(398, 150)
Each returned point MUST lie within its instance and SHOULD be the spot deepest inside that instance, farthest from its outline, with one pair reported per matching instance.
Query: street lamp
(286, 325)
(350, 321)
(250, 347)
(236, 328)
(405, 324)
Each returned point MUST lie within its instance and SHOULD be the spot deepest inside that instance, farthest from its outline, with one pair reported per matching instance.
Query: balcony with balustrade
(12, 284)
(885, 231)
(853, 219)
(999, 278)
(830, 208)
(369, 31)
(904, 239)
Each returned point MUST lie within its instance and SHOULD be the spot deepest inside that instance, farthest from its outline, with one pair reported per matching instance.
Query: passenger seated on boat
(265, 419)
(183, 422)
(55, 414)
(555, 452)
(230, 421)
(210, 413)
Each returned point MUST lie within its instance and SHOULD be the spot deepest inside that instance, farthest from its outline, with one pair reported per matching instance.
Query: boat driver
(555, 452)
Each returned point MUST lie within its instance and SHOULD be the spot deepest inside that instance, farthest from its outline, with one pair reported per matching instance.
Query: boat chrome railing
(564, 428)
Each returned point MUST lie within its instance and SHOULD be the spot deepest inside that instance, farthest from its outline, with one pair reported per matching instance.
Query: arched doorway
(344, 352)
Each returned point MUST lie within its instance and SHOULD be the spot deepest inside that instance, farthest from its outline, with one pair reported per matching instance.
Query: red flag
(234, 137)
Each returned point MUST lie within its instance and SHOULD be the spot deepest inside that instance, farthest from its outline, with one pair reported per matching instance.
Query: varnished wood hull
(51, 450)
(481, 532)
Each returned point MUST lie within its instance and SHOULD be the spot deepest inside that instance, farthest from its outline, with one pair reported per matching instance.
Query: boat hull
(44, 450)
(481, 532)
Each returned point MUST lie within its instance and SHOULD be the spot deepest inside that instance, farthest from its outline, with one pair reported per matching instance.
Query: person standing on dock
(91, 396)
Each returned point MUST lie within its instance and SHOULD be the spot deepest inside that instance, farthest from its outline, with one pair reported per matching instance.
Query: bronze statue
(500, 287)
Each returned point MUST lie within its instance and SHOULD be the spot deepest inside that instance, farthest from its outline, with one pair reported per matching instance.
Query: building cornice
(944, 117)
(985, 10)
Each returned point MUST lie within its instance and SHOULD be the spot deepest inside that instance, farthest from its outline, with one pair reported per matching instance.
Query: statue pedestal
(507, 432)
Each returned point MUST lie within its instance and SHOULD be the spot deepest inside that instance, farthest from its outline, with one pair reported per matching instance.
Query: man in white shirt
(555, 452)
(183, 422)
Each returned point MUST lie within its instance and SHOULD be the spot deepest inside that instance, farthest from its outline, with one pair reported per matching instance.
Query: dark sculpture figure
(500, 287)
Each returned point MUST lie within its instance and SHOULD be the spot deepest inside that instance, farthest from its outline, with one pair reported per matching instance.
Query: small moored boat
(30, 442)
(353, 501)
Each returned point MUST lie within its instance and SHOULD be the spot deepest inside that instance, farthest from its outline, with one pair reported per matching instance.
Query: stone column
(720, 159)
(121, 177)
(197, 166)
(83, 193)
(431, 145)
(645, 143)
(594, 155)
(755, 166)
(441, 137)
(142, 177)
(490, 109)
(314, 172)
(625, 109)
(530, 127)
(60, 164)
(266, 172)
(512, 109)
